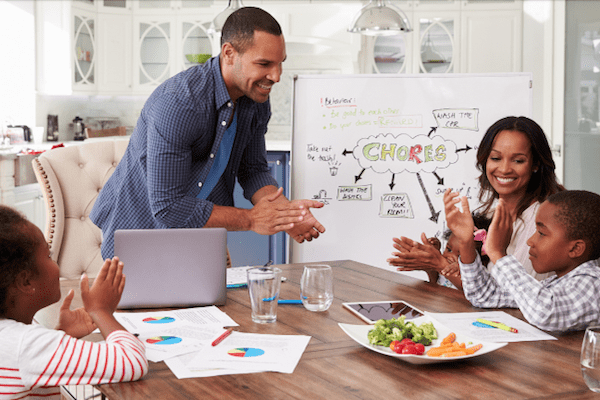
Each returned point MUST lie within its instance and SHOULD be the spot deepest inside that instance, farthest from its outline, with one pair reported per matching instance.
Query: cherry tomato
(409, 349)
(420, 348)
(396, 346)
(406, 341)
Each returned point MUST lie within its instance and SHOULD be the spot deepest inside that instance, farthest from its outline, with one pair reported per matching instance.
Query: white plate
(359, 334)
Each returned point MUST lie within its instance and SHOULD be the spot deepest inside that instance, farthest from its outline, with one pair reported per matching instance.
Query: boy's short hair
(17, 250)
(240, 26)
(579, 212)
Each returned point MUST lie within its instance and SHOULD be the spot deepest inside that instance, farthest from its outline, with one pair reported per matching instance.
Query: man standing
(197, 132)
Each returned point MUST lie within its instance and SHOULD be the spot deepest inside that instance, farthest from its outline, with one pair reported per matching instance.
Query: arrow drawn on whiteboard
(358, 177)
(347, 152)
(392, 184)
(465, 149)
(433, 129)
(434, 215)
(440, 180)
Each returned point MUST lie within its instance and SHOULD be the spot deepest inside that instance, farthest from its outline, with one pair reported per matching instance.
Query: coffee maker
(79, 129)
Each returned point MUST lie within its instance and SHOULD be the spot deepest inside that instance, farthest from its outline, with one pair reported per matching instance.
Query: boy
(567, 241)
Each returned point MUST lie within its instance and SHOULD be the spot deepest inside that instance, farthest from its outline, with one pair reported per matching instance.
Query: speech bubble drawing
(395, 154)
(457, 118)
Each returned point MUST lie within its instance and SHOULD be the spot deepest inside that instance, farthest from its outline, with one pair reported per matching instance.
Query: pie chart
(246, 352)
(158, 320)
(164, 340)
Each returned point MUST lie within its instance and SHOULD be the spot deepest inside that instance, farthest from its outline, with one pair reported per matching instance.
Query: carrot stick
(450, 338)
(473, 349)
(455, 353)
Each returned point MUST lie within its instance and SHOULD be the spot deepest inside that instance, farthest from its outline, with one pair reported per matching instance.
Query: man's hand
(76, 323)
(273, 213)
(309, 228)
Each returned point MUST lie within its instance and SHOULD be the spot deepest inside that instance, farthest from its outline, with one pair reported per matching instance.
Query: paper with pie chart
(254, 352)
(168, 334)
(140, 322)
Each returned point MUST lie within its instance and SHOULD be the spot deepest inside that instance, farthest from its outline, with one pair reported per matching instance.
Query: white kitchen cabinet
(491, 42)
(474, 36)
(115, 6)
(159, 7)
(30, 201)
(115, 58)
(161, 44)
(154, 51)
(192, 38)
(83, 50)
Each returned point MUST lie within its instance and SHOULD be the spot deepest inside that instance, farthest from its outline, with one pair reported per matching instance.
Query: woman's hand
(414, 256)
(499, 233)
(461, 224)
(76, 323)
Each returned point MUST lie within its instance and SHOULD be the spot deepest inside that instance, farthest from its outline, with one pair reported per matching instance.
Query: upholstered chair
(71, 178)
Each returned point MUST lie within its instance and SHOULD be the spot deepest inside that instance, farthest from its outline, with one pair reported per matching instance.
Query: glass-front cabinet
(84, 50)
(195, 44)
(437, 45)
(166, 46)
(154, 51)
(130, 47)
(431, 47)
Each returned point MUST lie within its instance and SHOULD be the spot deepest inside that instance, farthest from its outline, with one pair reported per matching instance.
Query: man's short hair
(240, 26)
(579, 212)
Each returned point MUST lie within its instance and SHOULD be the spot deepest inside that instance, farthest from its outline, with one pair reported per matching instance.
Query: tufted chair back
(71, 178)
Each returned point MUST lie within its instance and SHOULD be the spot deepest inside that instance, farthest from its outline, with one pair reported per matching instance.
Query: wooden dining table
(334, 366)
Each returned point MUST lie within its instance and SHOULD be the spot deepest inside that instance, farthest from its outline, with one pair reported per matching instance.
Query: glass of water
(590, 358)
(316, 287)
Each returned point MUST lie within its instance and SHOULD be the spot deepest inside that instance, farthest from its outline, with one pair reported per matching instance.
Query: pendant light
(429, 53)
(217, 23)
(378, 18)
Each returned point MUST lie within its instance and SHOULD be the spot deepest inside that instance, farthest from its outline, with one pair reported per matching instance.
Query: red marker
(222, 337)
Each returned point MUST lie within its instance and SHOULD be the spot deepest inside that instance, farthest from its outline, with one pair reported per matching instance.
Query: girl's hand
(76, 323)
(105, 293)
(499, 233)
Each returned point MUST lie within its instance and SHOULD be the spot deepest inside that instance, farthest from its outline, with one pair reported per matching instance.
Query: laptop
(173, 267)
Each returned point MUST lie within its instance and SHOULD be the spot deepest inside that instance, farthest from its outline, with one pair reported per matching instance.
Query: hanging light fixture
(429, 53)
(217, 23)
(378, 18)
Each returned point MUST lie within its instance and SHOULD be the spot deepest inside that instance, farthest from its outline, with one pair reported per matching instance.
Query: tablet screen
(374, 311)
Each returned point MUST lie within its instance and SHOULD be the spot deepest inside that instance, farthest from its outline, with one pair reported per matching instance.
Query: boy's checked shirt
(571, 302)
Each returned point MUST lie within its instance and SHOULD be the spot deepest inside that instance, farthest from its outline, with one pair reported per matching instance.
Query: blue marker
(289, 301)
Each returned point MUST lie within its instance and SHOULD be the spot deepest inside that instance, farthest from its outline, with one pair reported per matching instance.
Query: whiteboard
(379, 151)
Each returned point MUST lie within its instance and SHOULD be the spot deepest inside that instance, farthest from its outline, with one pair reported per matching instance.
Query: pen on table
(498, 325)
(236, 285)
(283, 301)
(222, 337)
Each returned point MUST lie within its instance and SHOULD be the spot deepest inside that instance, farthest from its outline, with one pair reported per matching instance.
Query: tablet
(372, 311)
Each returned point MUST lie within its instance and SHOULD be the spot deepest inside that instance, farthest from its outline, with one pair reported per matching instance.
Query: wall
(17, 68)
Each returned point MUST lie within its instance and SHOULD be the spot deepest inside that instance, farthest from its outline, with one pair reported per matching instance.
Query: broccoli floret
(384, 331)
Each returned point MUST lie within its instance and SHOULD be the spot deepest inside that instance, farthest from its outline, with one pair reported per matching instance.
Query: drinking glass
(316, 287)
(263, 287)
(590, 358)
